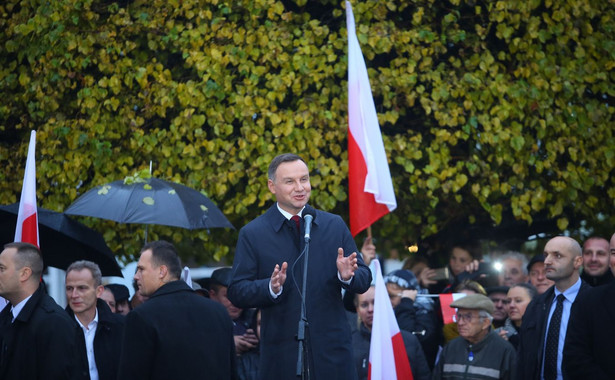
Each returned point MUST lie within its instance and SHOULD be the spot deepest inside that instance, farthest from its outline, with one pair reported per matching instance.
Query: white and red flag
(27, 219)
(370, 187)
(388, 359)
(448, 313)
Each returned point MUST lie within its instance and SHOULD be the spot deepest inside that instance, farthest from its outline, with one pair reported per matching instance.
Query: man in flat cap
(478, 353)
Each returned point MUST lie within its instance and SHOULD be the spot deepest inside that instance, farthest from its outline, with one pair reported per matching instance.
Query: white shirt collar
(15, 310)
(287, 214)
(92, 324)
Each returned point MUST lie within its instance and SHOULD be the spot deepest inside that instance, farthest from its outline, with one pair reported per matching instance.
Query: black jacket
(588, 352)
(532, 333)
(420, 319)
(606, 278)
(39, 344)
(107, 343)
(177, 334)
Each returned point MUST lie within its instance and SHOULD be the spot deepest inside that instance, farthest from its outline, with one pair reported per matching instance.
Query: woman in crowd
(519, 296)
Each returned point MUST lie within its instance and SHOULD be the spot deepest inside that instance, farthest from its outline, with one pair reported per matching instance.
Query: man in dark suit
(563, 258)
(588, 353)
(269, 250)
(176, 334)
(99, 331)
(37, 337)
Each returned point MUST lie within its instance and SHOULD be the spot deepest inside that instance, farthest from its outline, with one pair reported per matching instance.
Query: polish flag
(449, 313)
(27, 218)
(370, 187)
(388, 359)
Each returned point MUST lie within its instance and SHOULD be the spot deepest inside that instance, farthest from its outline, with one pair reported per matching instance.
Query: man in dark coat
(175, 334)
(562, 262)
(37, 337)
(588, 353)
(271, 244)
(99, 331)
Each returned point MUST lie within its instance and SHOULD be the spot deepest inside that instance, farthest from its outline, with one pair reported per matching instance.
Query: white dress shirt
(89, 332)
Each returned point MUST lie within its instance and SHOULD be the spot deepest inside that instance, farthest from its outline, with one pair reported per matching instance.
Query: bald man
(563, 258)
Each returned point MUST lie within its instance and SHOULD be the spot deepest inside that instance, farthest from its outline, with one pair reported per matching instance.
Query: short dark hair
(28, 255)
(280, 159)
(164, 253)
(89, 265)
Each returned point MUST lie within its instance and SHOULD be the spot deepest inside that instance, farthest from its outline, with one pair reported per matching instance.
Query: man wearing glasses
(478, 353)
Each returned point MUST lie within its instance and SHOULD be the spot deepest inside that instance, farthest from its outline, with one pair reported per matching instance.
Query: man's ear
(25, 273)
(271, 186)
(99, 291)
(163, 271)
(578, 262)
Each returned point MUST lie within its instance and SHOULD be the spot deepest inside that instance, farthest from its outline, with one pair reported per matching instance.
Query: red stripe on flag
(402, 366)
(29, 232)
(364, 210)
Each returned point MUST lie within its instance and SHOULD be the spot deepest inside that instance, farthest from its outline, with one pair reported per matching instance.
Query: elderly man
(545, 322)
(596, 261)
(176, 334)
(479, 352)
(514, 269)
(37, 337)
(100, 342)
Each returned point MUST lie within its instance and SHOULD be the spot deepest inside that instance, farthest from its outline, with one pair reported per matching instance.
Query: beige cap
(475, 301)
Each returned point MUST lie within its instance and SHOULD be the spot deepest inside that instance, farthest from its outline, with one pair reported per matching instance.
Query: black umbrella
(150, 201)
(62, 240)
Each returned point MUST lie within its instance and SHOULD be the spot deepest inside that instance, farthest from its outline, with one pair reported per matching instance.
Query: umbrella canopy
(150, 201)
(62, 240)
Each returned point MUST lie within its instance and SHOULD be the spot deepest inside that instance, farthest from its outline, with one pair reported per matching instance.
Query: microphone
(309, 214)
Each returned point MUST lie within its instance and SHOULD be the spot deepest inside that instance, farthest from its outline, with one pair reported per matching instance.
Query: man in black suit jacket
(588, 353)
(562, 262)
(175, 334)
(37, 337)
(99, 331)
(273, 243)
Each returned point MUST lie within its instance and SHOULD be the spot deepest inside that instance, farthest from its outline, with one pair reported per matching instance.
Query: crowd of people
(543, 318)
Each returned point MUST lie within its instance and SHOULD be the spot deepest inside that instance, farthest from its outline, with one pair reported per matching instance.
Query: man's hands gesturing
(278, 277)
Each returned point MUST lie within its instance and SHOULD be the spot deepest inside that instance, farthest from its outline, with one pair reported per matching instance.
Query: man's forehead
(497, 295)
(510, 262)
(596, 244)
(467, 311)
(7, 254)
(539, 265)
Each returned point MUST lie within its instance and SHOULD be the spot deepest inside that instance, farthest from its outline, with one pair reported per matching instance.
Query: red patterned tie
(295, 218)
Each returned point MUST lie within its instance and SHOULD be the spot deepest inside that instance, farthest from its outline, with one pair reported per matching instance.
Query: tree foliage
(493, 112)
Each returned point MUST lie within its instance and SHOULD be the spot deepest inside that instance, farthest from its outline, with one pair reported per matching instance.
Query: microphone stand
(303, 368)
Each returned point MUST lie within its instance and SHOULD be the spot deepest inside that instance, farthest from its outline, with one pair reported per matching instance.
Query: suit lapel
(608, 300)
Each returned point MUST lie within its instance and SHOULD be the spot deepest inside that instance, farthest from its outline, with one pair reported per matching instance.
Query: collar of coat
(276, 220)
(172, 287)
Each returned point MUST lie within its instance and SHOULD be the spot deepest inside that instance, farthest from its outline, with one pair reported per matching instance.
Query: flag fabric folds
(27, 220)
(388, 359)
(448, 313)
(371, 194)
